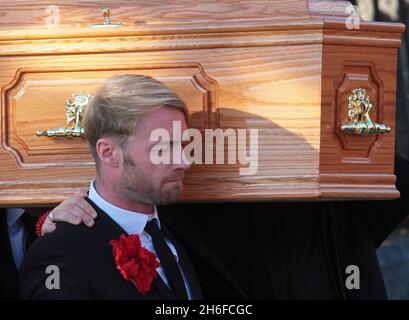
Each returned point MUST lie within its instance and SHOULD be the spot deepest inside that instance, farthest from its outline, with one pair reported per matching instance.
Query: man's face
(142, 180)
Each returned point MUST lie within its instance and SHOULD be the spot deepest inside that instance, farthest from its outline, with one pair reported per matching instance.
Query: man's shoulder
(65, 237)
(67, 231)
(66, 251)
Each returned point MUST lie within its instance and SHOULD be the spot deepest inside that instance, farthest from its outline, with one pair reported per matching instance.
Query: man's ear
(109, 152)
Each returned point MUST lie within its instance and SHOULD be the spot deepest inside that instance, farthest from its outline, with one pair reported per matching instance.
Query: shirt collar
(13, 214)
(132, 222)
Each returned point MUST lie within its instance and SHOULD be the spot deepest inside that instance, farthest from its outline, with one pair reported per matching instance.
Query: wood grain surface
(284, 68)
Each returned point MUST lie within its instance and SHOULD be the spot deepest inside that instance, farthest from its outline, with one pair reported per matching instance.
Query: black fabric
(299, 250)
(186, 264)
(8, 270)
(167, 260)
(283, 250)
(229, 231)
(29, 222)
(216, 280)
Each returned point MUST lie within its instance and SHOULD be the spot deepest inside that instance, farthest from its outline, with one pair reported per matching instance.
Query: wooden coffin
(295, 70)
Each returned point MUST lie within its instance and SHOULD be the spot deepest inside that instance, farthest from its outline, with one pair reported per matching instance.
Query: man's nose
(184, 162)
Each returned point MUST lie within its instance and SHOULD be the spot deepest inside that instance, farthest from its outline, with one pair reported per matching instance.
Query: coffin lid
(22, 19)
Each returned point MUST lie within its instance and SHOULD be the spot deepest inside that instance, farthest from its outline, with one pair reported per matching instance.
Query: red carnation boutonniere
(135, 263)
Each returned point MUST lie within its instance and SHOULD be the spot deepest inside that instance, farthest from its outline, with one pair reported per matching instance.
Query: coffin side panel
(274, 90)
(352, 165)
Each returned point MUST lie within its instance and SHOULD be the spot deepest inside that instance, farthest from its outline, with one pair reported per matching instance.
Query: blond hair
(117, 107)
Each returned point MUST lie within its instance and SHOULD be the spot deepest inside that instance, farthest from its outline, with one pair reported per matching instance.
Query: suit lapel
(187, 266)
(185, 230)
(108, 229)
(163, 289)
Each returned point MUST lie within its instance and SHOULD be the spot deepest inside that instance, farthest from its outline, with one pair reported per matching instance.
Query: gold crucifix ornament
(360, 123)
(74, 112)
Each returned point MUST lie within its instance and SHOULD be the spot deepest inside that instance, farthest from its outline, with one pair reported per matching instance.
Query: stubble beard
(136, 186)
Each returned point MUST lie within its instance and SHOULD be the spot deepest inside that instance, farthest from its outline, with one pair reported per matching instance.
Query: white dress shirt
(17, 234)
(134, 223)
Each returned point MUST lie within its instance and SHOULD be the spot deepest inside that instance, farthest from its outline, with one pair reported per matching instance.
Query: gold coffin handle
(62, 132)
(74, 114)
(360, 123)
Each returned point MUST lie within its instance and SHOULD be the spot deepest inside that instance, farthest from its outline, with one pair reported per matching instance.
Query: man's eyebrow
(153, 143)
(163, 141)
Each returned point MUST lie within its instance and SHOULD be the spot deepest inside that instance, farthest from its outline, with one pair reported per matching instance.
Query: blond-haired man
(129, 253)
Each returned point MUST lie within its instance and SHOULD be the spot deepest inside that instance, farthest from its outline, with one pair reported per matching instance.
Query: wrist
(40, 223)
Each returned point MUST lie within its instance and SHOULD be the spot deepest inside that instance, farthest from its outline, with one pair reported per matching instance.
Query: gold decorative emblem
(359, 108)
(74, 113)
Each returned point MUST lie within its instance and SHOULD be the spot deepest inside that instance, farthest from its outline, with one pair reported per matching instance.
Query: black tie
(167, 260)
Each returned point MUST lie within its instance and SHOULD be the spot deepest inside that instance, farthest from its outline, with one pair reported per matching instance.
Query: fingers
(75, 210)
(47, 227)
(62, 215)
(84, 205)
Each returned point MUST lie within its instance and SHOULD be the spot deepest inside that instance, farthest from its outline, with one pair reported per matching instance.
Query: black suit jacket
(87, 268)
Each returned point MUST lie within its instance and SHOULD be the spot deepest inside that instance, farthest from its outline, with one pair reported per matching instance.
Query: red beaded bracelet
(40, 223)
